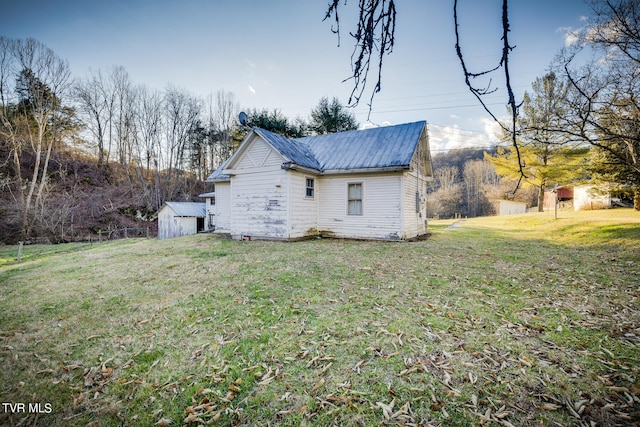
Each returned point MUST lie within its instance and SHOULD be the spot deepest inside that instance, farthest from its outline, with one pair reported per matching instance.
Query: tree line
(153, 145)
(596, 79)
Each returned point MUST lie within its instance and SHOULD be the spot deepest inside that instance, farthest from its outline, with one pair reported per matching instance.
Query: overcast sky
(280, 54)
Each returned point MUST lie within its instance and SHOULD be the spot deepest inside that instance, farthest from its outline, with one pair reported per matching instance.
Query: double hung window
(354, 198)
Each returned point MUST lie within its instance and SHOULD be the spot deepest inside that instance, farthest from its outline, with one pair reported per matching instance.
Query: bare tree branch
(479, 93)
(375, 32)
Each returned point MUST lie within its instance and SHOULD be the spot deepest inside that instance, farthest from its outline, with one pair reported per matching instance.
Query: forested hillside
(466, 184)
(102, 152)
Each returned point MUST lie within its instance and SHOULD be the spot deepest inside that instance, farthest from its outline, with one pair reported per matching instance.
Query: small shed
(511, 207)
(177, 219)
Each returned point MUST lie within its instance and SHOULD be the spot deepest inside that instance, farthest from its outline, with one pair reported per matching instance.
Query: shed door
(200, 224)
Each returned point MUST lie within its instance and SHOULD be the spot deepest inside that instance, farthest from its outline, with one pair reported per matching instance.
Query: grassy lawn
(521, 320)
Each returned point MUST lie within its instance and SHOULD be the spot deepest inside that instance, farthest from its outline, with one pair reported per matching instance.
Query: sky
(280, 54)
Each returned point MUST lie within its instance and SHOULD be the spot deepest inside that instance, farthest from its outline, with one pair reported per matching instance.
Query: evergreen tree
(331, 117)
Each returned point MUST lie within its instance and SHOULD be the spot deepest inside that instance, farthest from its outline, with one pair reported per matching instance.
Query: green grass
(521, 320)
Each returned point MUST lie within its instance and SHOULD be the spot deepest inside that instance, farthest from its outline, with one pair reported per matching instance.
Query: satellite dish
(243, 118)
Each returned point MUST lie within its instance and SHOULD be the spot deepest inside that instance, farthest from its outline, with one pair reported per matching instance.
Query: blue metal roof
(381, 147)
(374, 148)
(294, 150)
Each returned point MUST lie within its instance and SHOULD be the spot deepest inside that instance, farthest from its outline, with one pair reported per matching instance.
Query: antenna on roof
(243, 118)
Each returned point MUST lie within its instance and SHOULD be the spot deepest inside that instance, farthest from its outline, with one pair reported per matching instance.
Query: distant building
(589, 197)
(363, 184)
(580, 197)
(510, 207)
(565, 198)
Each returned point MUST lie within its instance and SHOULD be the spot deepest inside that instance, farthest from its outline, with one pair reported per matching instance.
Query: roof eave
(221, 179)
(400, 168)
(293, 166)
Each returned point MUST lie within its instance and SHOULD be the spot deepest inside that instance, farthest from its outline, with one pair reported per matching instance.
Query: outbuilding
(177, 219)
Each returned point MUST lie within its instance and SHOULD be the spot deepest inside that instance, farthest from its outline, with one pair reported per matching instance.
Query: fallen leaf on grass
(79, 399)
(387, 410)
(319, 384)
(193, 418)
(550, 406)
(358, 365)
(163, 422)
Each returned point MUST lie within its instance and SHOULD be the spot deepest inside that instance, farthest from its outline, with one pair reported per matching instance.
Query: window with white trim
(310, 188)
(354, 198)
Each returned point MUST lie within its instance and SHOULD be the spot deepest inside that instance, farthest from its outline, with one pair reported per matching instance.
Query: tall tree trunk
(43, 178)
(636, 198)
(32, 188)
(541, 199)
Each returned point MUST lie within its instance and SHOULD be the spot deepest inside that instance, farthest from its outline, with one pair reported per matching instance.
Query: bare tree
(222, 113)
(33, 82)
(123, 117)
(478, 174)
(149, 125)
(375, 36)
(95, 104)
(9, 129)
(181, 114)
(605, 93)
(447, 193)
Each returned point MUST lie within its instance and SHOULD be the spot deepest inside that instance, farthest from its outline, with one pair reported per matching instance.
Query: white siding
(382, 200)
(223, 207)
(413, 221)
(588, 197)
(170, 225)
(303, 218)
(510, 207)
(259, 204)
(210, 218)
(259, 154)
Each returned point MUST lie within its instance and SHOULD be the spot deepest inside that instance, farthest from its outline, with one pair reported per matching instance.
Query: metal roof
(188, 208)
(217, 174)
(293, 150)
(373, 148)
(381, 147)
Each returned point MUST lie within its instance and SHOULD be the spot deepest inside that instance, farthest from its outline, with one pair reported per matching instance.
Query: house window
(354, 198)
(212, 201)
(310, 184)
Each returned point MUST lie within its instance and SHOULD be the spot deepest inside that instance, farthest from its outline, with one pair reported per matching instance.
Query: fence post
(147, 232)
(126, 233)
(99, 236)
(20, 251)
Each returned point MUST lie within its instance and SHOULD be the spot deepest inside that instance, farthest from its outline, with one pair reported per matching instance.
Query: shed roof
(188, 208)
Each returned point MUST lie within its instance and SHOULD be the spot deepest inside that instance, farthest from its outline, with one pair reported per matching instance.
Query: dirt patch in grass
(480, 325)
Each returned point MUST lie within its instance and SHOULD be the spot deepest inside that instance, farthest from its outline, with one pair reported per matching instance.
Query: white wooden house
(364, 184)
(177, 219)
